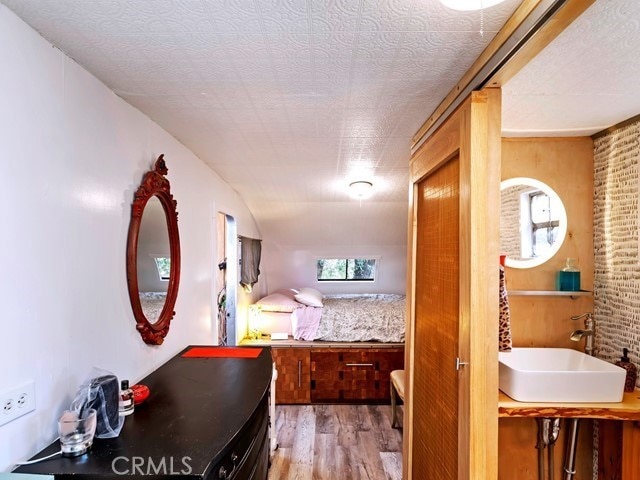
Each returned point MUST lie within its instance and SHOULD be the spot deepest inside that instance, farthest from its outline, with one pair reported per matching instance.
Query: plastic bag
(101, 391)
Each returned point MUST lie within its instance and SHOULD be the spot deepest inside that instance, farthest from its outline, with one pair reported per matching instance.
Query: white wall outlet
(17, 402)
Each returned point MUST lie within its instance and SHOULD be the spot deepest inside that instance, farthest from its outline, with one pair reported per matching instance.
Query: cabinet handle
(359, 364)
(299, 373)
(223, 474)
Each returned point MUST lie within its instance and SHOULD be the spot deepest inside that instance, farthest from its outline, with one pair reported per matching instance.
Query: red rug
(222, 352)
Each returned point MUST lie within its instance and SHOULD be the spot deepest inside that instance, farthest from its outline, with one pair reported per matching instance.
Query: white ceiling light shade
(360, 189)
(469, 4)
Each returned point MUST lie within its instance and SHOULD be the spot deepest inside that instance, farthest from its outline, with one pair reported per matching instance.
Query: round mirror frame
(153, 184)
(562, 232)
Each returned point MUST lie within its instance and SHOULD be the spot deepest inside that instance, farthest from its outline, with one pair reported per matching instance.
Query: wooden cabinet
(353, 375)
(294, 379)
(349, 374)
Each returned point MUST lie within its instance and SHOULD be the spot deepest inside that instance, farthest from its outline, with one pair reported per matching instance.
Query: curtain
(250, 251)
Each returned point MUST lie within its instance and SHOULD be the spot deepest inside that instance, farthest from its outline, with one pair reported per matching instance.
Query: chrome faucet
(588, 332)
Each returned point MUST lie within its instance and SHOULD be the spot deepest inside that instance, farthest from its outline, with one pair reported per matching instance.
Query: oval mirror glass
(533, 222)
(154, 259)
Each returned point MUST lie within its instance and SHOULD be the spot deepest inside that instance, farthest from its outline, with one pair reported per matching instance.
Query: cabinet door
(353, 375)
(294, 380)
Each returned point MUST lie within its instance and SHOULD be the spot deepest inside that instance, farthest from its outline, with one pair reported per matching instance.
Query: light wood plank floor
(336, 442)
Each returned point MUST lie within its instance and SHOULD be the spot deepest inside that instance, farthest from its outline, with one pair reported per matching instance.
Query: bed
(306, 314)
(344, 347)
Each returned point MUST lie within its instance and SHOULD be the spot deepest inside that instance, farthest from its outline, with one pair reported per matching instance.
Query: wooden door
(451, 428)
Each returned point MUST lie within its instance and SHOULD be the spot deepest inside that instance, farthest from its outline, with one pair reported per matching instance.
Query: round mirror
(153, 255)
(533, 222)
(154, 260)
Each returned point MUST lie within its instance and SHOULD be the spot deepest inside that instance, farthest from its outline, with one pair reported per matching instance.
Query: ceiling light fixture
(470, 4)
(360, 189)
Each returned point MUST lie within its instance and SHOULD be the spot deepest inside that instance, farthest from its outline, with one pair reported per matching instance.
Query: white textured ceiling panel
(585, 81)
(288, 100)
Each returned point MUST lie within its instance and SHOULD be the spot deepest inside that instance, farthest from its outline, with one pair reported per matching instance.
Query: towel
(250, 262)
(504, 337)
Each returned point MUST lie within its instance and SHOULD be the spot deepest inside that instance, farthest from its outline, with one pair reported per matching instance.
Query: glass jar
(569, 277)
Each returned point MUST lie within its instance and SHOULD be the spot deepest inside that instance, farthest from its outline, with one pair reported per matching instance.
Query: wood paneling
(619, 450)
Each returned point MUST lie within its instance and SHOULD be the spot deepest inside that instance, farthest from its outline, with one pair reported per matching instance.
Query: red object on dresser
(140, 393)
(222, 352)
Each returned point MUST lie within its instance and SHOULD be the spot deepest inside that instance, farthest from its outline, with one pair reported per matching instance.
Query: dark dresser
(206, 418)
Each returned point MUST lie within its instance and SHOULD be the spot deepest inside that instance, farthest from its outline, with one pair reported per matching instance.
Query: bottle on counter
(126, 404)
(569, 277)
(632, 371)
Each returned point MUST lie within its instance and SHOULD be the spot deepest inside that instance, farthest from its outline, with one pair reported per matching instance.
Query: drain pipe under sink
(548, 430)
(571, 448)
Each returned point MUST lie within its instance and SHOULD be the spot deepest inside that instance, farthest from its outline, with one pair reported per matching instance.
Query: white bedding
(344, 318)
(362, 318)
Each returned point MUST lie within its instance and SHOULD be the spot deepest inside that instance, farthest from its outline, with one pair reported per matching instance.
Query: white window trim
(377, 258)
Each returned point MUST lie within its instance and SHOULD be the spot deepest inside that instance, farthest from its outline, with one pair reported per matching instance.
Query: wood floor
(336, 442)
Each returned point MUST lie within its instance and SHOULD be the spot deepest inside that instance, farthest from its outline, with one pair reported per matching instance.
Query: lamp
(470, 4)
(255, 312)
(360, 189)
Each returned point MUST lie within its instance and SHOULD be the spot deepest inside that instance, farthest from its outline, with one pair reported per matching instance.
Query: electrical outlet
(17, 402)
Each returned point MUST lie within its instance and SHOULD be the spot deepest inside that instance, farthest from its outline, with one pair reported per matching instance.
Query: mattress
(362, 318)
(344, 318)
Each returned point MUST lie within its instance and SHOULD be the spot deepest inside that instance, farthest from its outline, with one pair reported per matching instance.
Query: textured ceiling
(585, 81)
(287, 100)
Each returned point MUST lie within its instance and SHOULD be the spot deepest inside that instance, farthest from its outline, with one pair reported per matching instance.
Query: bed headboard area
(306, 314)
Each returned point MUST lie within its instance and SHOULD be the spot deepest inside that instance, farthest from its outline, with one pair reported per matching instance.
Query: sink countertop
(628, 409)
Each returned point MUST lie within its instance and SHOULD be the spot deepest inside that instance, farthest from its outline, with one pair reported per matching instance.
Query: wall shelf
(550, 293)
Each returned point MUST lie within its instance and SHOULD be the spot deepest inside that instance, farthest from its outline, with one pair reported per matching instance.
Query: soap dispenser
(569, 277)
(632, 371)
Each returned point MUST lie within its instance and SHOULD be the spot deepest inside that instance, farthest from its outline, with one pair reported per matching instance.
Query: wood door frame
(473, 132)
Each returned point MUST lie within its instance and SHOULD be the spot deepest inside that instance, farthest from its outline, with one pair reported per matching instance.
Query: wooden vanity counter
(618, 421)
(628, 409)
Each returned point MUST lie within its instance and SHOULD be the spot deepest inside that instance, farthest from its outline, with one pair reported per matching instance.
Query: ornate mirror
(153, 255)
(533, 222)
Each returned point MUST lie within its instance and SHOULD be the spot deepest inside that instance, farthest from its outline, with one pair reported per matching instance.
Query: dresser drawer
(353, 375)
(239, 461)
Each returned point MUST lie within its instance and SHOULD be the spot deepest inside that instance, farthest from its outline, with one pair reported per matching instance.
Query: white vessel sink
(559, 375)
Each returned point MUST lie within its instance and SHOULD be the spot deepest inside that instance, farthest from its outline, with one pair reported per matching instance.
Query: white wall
(71, 155)
(295, 240)
(295, 267)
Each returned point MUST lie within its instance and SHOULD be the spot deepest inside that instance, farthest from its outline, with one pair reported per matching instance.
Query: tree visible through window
(163, 264)
(346, 269)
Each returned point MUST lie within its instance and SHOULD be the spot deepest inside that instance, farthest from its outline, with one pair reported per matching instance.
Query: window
(346, 269)
(545, 222)
(163, 264)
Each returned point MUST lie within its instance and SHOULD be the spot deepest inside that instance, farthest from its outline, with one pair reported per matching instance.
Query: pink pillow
(277, 302)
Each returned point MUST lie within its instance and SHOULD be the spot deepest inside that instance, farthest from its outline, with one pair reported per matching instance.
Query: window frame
(155, 262)
(375, 258)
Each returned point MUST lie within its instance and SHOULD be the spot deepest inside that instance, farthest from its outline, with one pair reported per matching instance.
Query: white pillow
(277, 302)
(310, 297)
